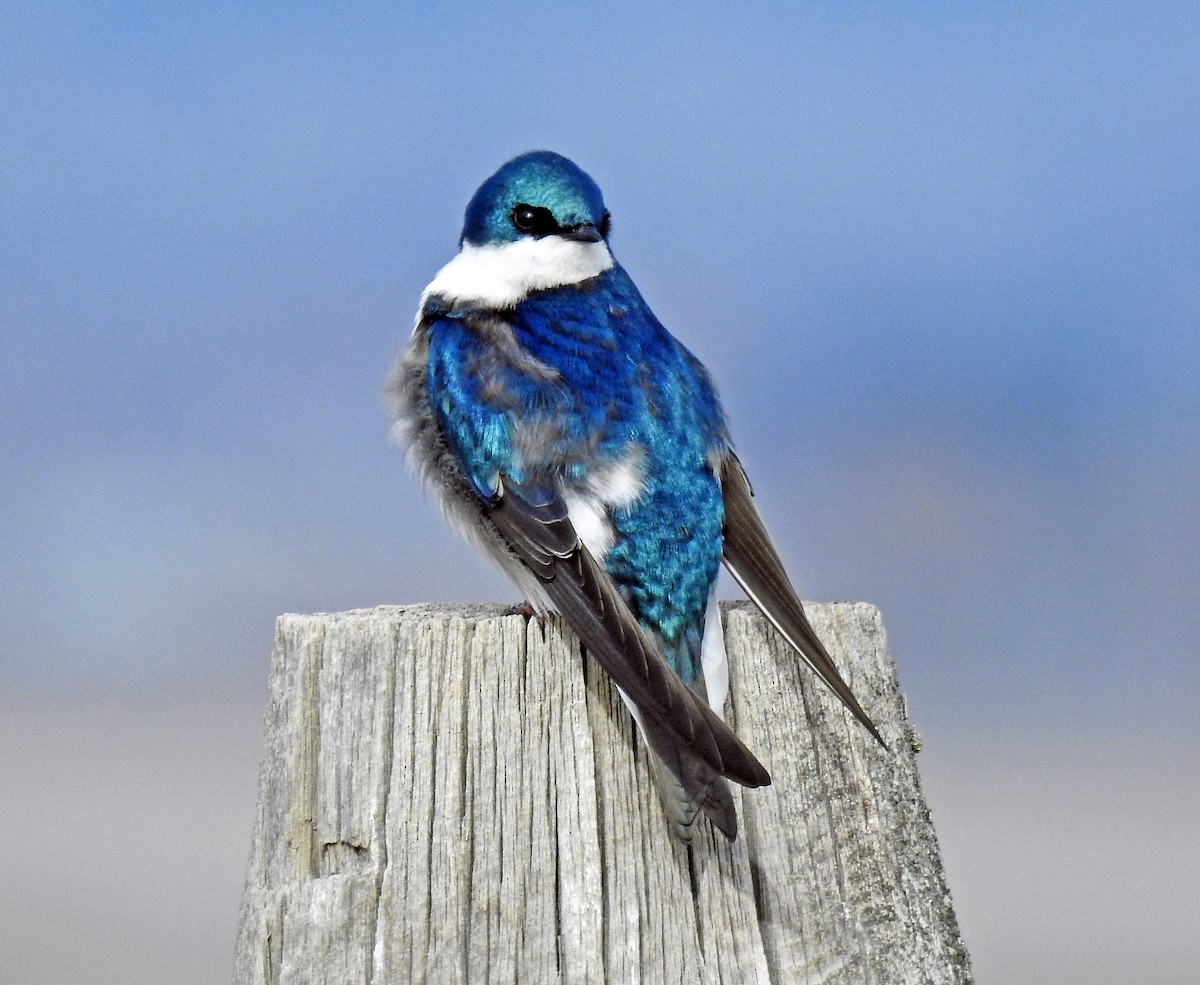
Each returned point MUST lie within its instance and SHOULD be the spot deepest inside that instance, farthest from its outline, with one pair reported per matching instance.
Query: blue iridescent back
(590, 377)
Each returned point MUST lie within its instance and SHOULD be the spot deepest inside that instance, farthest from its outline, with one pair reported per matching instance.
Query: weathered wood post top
(454, 794)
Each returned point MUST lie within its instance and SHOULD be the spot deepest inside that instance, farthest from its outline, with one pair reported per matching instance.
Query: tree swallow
(576, 442)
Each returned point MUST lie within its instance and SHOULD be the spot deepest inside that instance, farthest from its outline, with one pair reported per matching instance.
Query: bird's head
(534, 196)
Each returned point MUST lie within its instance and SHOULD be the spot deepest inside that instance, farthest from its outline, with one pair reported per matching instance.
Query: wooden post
(453, 795)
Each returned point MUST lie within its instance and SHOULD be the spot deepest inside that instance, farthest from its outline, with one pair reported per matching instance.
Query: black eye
(605, 224)
(533, 219)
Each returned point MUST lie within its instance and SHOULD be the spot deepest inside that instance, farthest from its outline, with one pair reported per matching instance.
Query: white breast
(500, 275)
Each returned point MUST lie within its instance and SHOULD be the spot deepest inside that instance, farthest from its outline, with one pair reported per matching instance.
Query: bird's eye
(533, 219)
(605, 224)
(524, 218)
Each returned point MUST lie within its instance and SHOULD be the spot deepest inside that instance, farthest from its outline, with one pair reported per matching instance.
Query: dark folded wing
(752, 559)
(534, 524)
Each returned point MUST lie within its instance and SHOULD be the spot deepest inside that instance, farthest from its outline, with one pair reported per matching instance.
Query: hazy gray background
(943, 263)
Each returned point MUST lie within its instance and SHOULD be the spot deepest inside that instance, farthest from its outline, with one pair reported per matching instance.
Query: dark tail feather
(688, 785)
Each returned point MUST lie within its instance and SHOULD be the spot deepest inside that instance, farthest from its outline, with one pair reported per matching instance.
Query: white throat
(501, 275)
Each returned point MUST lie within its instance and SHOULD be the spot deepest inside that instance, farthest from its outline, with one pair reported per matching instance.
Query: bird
(577, 443)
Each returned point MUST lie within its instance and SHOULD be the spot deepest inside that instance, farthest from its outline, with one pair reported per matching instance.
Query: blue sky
(942, 261)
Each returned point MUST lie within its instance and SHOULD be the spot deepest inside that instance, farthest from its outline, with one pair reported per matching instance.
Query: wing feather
(535, 525)
(753, 561)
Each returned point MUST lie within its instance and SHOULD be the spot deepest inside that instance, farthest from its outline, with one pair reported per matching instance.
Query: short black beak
(582, 232)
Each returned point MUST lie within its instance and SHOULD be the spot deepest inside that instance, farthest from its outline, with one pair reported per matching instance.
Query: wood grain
(452, 794)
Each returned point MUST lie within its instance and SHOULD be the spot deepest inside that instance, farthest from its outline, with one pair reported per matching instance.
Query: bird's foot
(526, 610)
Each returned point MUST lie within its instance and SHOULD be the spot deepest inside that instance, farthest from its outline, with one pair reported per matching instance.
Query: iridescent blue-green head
(533, 196)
